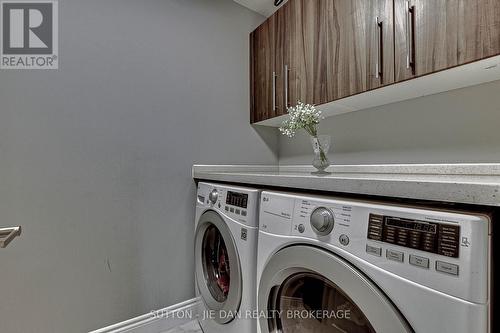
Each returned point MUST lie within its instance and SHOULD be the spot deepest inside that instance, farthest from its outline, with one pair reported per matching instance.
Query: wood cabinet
(319, 51)
(379, 41)
(262, 78)
(329, 49)
(433, 35)
(355, 47)
(311, 42)
(281, 56)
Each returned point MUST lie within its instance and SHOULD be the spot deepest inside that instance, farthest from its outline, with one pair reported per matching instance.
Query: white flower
(301, 116)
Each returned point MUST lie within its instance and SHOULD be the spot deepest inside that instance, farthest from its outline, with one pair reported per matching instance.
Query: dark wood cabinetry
(319, 51)
(282, 54)
(379, 42)
(322, 50)
(432, 35)
(307, 51)
(262, 78)
(355, 48)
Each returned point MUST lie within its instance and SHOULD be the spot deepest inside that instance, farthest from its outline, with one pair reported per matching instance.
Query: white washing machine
(335, 265)
(226, 257)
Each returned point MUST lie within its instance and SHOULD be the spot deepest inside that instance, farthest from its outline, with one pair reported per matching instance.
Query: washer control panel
(439, 238)
(239, 203)
(448, 251)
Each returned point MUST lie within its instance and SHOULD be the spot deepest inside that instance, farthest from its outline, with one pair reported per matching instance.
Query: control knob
(213, 196)
(322, 221)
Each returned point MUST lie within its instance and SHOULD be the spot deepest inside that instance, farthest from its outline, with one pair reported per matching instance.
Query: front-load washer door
(310, 290)
(218, 270)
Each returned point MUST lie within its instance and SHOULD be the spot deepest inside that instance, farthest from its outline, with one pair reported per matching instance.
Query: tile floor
(191, 327)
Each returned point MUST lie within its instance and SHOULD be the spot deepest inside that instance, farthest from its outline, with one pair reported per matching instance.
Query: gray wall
(456, 126)
(95, 158)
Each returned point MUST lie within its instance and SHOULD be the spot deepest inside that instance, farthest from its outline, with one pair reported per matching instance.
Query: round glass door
(310, 290)
(217, 264)
(310, 303)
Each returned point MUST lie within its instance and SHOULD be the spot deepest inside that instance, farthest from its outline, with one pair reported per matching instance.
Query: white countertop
(477, 184)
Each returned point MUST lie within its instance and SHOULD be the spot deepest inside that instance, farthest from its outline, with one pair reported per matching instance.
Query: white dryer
(336, 265)
(225, 257)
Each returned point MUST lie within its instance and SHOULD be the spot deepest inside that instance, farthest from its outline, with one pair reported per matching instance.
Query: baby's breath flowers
(301, 116)
(306, 117)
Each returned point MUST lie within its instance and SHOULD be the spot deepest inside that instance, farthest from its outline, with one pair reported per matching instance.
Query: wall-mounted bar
(7, 235)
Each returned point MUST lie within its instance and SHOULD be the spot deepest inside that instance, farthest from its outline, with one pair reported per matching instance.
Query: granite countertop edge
(468, 183)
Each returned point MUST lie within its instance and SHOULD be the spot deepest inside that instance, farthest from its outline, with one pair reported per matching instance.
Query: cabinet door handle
(274, 90)
(8, 234)
(287, 103)
(379, 65)
(410, 38)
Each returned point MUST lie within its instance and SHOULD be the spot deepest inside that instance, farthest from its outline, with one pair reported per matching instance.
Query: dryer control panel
(238, 203)
(426, 236)
(444, 250)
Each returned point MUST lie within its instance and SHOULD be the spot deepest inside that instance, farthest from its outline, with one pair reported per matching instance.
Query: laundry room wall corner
(95, 157)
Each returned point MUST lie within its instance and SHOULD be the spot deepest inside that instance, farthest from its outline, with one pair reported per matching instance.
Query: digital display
(411, 225)
(237, 199)
(439, 238)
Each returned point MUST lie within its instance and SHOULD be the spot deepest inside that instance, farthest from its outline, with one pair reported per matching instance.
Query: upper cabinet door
(319, 51)
(432, 35)
(338, 48)
(281, 55)
(360, 45)
(300, 59)
(313, 50)
(263, 78)
(379, 40)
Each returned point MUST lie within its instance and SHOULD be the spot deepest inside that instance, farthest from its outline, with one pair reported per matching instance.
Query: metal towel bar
(8, 234)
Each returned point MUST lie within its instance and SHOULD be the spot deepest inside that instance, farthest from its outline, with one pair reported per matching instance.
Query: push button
(446, 267)
(344, 239)
(243, 213)
(373, 250)
(419, 261)
(394, 255)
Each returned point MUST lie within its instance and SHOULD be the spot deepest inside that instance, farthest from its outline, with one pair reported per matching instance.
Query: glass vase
(321, 145)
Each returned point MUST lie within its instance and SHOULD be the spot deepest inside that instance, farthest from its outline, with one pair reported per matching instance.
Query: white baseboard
(157, 321)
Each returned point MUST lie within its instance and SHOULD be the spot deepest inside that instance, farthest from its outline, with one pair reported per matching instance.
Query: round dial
(322, 221)
(213, 196)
